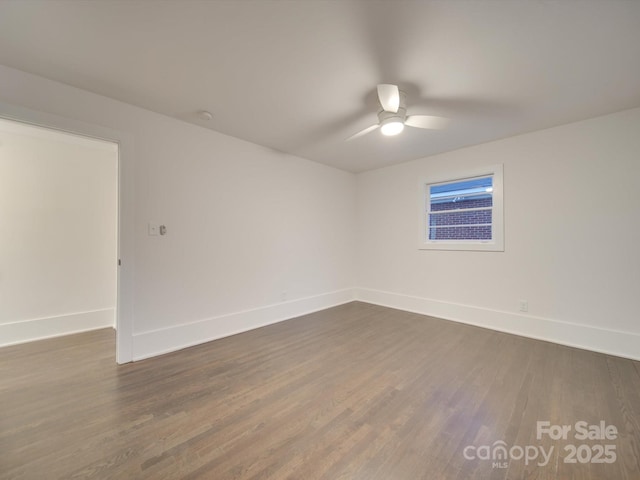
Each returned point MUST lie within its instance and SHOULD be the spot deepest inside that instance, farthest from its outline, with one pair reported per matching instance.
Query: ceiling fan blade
(389, 96)
(426, 121)
(362, 132)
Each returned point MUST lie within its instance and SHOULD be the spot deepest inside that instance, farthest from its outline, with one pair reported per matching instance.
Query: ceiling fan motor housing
(388, 117)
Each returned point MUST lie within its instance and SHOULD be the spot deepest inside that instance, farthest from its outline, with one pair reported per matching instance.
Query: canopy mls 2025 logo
(500, 454)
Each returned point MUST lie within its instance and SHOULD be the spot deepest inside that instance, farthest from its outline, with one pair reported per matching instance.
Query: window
(463, 211)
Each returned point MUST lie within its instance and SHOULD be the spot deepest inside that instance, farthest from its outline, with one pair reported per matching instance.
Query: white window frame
(496, 244)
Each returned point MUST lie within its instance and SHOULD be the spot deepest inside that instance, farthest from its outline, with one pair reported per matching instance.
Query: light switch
(153, 229)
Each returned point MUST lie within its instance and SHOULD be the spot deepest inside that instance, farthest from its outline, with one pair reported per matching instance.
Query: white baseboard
(56, 326)
(157, 342)
(612, 342)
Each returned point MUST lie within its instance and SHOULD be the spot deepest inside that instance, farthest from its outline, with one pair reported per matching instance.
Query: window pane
(467, 185)
(463, 194)
(461, 210)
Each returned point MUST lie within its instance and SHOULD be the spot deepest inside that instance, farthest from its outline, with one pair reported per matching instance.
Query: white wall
(253, 236)
(572, 233)
(58, 212)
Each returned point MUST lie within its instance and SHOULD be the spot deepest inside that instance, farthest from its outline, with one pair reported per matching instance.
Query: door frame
(125, 199)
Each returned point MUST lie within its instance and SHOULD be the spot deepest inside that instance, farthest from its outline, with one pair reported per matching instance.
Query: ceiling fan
(393, 117)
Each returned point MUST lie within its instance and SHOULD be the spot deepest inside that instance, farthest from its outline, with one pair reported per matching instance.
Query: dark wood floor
(353, 392)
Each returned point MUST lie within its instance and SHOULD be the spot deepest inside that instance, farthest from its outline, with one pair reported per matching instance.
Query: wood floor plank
(353, 392)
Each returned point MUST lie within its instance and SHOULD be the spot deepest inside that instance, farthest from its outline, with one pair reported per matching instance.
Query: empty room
(319, 239)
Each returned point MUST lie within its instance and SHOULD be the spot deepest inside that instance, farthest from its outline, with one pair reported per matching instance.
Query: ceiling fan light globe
(392, 128)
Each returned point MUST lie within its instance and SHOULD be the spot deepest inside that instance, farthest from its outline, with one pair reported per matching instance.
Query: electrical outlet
(524, 306)
(283, 296)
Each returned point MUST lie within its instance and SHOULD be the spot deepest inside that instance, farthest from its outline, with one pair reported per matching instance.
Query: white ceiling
(300, 76)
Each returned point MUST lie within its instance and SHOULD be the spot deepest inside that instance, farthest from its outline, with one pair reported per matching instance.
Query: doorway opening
(59, 235)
